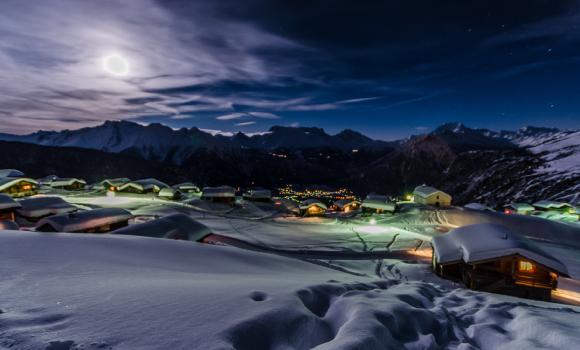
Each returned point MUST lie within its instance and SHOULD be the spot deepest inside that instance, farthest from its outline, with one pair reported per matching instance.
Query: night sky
(386, 68)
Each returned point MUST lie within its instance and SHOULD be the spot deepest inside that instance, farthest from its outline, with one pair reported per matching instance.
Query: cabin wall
(502, 275)
(7, 214)
(21, 189)
(438, 200)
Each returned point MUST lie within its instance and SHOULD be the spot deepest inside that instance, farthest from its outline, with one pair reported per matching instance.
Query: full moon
(116, 65)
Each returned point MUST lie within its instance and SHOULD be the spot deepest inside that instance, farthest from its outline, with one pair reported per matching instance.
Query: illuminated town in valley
(267, 174)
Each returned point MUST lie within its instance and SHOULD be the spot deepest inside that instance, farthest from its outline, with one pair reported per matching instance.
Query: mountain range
(473, 164)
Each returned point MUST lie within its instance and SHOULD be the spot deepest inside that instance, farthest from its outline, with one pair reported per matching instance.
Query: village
(481, 255)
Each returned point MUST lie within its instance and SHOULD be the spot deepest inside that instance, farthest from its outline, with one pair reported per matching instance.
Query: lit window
(526, 266)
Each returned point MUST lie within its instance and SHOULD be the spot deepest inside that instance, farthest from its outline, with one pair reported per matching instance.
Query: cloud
(231, 116)
(245, 123)
(52, 52)
(264, 115)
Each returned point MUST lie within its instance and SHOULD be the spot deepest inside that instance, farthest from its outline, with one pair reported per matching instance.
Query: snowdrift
(74, 291)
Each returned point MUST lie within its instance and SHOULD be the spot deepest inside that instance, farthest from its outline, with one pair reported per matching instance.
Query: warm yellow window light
(526, 266)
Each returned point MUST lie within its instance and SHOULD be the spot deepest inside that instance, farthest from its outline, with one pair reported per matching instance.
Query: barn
(90, 221)
(431, 196)
(493, 258)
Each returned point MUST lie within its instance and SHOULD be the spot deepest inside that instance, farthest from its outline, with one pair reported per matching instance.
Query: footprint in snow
(258, 296)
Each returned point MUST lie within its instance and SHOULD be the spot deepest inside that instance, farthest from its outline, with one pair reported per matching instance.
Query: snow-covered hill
(70, 291)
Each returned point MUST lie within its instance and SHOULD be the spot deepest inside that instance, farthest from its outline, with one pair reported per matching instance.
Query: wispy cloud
(245, 123)
(264, 115)
(231, 116)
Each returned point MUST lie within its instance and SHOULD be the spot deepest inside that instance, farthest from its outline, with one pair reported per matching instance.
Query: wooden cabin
(142, 186)
(18, 187)
(46, 181)
(346, 205)
(492, 258)
(33, 209)
(69, 184)
(378, 204)
(220, 194)
(113, 184)
(258, 195)
(170, 193)
(175, 226)
(553, 206)
(312, 207)
(518, 208)
(431, 196)
(478, 207)
(187, 187)
(91, 221)
(8, 208)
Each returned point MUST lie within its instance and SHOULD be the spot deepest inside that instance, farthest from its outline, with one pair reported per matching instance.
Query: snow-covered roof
(6, 202)
(174, 226)
(186, 186)
(480, 242)
(258, 193)
(84, 220)
(310, 202)
(10, 181)
(65, 182)
(341, 203)
(520, 206)
(379, 203)
(427, 191)
(168, 192)
(220, 191)
(115, 182)
(47, 179)
(478, 206)
(144, 184)
(552, 205)
(11, 173)
(42, 206)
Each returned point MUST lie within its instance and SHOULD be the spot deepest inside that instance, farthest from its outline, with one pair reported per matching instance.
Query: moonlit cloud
(264, 115)
(245, 123)
(231, 116)
(257, 63)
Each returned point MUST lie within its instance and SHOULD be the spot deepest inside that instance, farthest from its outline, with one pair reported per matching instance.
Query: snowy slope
(560, 149)
(66, 291)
